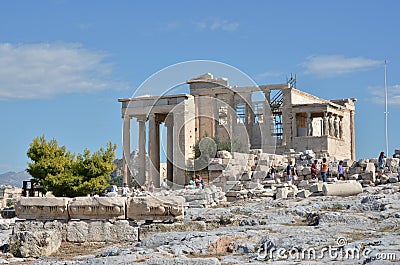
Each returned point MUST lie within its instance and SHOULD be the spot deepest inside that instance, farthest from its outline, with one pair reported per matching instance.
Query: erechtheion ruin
(285, 119)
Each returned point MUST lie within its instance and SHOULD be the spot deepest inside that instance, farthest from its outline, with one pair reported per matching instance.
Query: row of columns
(332, 125)
(153, 149)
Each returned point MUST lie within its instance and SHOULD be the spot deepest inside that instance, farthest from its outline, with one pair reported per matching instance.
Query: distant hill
(14, 178)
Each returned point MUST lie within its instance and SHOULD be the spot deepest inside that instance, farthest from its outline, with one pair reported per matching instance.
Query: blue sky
(64, 64)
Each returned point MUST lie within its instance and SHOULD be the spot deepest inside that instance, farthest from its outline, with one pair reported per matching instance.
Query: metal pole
(386, 116)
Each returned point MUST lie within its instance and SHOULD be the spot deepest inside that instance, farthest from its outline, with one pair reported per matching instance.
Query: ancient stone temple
(283, 119)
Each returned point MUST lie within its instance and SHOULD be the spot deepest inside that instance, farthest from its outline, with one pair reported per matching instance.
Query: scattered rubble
(234, 219)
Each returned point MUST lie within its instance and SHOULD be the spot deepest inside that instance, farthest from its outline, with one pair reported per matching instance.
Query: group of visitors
(126, 191)
(292, 176)
(196, 182)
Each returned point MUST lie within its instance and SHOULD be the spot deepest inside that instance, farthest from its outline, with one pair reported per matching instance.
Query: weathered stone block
(215, 161)
(259, 174)
(245, 177)
(342, 189)
(354, 177)
(370, 167)
(374, 161)
(77, 231)
(356, 170)
(101, 231)
(262, 168)
(224, 154)
(253, 185)
(369, 176)
(304, 184)
(152, 208)
(182, 261)
(267, 193)
(42, 208)
(347, 163)
(282, 193)
(303, 194)
(317, 187)
(216, 167)
(363, 162)
(147, 230)
(393, 178)
(392, 162)
(96, 208)
(126, 231)
(306, 171)
(240, 156)
(384, 179)
(36, 244)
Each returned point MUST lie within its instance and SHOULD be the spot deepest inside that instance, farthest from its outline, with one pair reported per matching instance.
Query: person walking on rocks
(381, 162)
(314, 170)
(272, 173)
(340, 170)
(289, 172)
(294, 174)
(324, 169)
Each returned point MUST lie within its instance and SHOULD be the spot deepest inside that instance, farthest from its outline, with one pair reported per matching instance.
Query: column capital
(141, 119)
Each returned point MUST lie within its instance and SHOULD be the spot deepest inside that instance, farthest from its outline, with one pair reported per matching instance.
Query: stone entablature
(41, 208)
(152, 208)
(101, 208)
(97, 208)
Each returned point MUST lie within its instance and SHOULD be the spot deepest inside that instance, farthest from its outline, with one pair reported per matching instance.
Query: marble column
(142, 150)
(170, 149)
(326, 125)
(353, 136)
(341, 127)
(126, 142)
(309, 124)
(215, 114)
(336, 122)
(154, 150)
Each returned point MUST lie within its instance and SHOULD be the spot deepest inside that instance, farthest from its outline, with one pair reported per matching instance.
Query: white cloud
(378, 95)
(217, 24)
(333, 65)
(45, 70)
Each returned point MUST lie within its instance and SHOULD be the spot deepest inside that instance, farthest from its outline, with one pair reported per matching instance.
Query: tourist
(314, 170)
(289, 172)
(295, 176)
(381, 162)
(340, 170)
(324, 169)
(272, 173)
(114, 188)
(164, 184)
(125, 190)
(192, 183)
(199, 182)
(151, 186)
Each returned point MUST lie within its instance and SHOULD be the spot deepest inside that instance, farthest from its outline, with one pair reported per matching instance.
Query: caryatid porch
(178, 114)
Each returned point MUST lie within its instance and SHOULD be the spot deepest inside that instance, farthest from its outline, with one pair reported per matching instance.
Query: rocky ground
(362, 229)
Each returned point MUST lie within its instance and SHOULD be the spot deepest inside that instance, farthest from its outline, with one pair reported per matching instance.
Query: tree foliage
(207, 147)
(65, 174)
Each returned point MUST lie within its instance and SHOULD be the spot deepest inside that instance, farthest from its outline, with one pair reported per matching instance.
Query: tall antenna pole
(386, 115)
